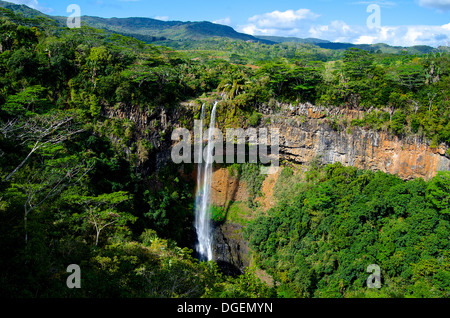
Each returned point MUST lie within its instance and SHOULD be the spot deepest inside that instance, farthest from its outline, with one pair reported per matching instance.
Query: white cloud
(301, 23)
(286, 19)
(32, 4)
(339, 31)
(437, 4)
(280, 23)
(162, 18)
(365, 39)
(224, 21)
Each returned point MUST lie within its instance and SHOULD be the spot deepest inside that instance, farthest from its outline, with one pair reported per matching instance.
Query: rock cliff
(306, 133)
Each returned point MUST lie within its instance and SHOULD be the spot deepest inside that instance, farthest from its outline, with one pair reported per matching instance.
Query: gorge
(306, 134)
(89, 121)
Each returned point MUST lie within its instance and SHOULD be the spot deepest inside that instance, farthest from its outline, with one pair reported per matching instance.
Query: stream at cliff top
(203, 196)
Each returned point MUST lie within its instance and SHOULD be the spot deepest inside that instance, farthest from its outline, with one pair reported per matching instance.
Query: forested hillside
(331, 222)
(69, 195)
(73, 190)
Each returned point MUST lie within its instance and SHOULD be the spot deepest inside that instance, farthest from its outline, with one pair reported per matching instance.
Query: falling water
(202, 200)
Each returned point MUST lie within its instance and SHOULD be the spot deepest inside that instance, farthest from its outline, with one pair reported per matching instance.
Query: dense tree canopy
(322, 236)
(73, 191)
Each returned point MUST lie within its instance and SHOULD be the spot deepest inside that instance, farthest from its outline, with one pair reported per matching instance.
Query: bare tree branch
(41, 131)
(46, 184)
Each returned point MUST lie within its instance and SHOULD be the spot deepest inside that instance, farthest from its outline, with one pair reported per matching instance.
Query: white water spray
(202, 200)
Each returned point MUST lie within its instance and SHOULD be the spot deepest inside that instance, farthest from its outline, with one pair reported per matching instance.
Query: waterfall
(202, 200)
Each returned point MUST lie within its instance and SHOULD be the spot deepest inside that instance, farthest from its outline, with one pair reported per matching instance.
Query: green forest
(333, 221)
(80, 187)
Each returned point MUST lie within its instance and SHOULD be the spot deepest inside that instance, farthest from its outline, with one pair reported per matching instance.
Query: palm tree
(232, 85)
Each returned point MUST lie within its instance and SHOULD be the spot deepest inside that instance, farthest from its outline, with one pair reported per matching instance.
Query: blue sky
(407, 22)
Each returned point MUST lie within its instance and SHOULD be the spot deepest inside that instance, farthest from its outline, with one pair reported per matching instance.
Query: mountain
(385, 48)
(282, 39)
(151, 30)
(21, 8)
(173, 32)
(147, 29)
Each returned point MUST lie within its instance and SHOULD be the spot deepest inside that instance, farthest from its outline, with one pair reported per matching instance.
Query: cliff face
(154, 126)
(306, 134)
(407, 158)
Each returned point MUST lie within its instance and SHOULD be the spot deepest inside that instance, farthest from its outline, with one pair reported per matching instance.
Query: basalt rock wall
(306, 134)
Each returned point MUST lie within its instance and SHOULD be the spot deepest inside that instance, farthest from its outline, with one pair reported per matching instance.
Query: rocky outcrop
(226, 188)
(306, 134)
(230, 250)
(155, 125)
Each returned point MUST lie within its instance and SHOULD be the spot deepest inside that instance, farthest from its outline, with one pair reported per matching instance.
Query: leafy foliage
(319, 239)
(71, 180)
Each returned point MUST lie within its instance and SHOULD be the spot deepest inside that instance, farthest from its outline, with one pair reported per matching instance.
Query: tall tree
(101, 211)
(357, 64)
(38, 133)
